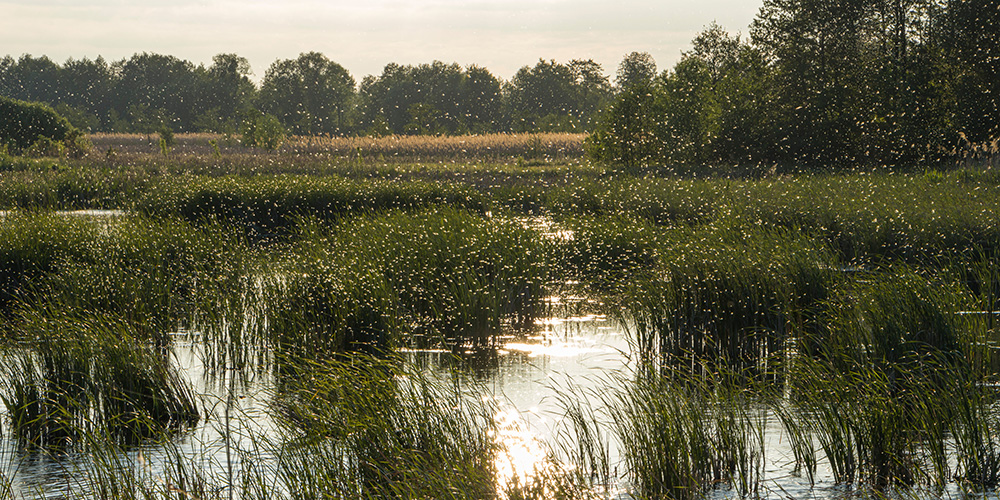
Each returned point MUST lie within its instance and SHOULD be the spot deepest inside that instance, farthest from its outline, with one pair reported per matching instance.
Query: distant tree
(23, 123)
(226, 94)
(434, 98)
(637, 68)
(310, 94)
(628, 134)
(262, 131)
(87, 86)
(155, 87)
(481, 99)
(31, 79)
(970, 35)
(817, 49)
(549, 90)
(592, 90)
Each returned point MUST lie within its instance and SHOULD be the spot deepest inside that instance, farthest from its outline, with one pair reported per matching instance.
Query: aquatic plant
(683, 435)
(78, 374)
(371, 428)
(728, 296)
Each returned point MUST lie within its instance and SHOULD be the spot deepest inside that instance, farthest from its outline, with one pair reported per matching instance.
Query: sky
(365, 35)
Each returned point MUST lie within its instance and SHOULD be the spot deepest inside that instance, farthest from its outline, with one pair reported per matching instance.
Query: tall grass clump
(728, 296)
(74, 375)
(682, 436)
(604, 253)
(459, 278)
(904, 217)
(316, 310)
(888, 380)
(364, 427)
(661, 201)
(155, 273)
(33, 244)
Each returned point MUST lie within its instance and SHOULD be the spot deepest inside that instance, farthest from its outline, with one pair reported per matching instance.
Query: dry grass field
(480, 147)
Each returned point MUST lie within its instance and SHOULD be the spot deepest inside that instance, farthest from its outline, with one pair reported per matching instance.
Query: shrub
(263, 131)
(23, 123)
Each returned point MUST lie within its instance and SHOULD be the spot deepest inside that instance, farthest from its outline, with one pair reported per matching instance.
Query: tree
(637, 68)
(434, 98)
(481, 98)
(227, 93)
(971, 30)
(627, 134)
(550, 90)
(310, 94)
(23, 123)
(87, 89)
(592, 90)
(817, 48)
(155, 87)
(31, 79)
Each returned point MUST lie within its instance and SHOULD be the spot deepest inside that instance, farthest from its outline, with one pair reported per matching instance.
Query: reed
(605, 253)
(460, 279)
(33, 244)
(156, 274)
(728, 296)
(888, 381)
(90, 373)
(910, 217)
(371, 428)
(267, 205)
(683, 436)
(480, 147)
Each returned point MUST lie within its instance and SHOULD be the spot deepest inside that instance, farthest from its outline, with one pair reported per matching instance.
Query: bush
(263, 131)
(23, 123)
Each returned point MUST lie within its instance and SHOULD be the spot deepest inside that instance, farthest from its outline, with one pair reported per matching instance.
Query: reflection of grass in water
(90, 373)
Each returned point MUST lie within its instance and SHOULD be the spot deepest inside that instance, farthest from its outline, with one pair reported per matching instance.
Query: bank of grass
(455, 277)
(791, 286)
(268, 205)
(862, 216)
(731, 296)
(155, 273)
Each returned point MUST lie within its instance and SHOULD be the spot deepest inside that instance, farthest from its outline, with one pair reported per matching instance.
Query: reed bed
(728, 296)
(913, 217)
(370, 428)
(889, 392)
(270, 204)
(460, 279)
(33, 245)
(479, 147)
(157, 274)
(682, 437)
(79, 375)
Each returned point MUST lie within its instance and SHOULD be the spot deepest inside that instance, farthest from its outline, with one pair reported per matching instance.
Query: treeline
(824, 82)
(308, 95)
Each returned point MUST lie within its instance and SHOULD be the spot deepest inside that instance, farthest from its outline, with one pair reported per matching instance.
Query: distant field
(490, 146)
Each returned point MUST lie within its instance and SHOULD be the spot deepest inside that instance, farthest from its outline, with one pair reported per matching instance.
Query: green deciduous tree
(637, 68)
(310, 94)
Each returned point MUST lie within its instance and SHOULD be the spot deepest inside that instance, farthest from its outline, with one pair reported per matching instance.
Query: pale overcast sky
(363, 36)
